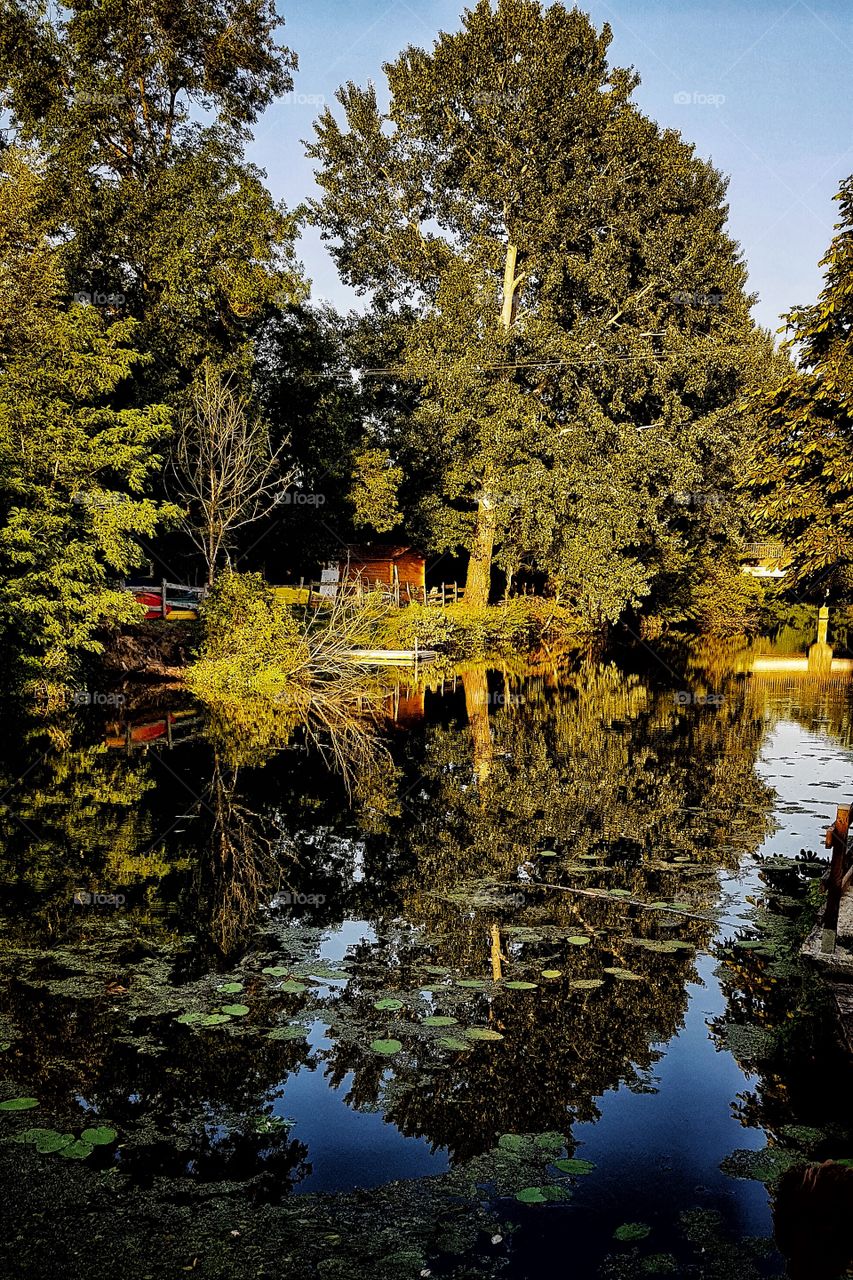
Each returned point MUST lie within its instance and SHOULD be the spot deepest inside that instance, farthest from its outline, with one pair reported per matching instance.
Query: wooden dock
(391, 657)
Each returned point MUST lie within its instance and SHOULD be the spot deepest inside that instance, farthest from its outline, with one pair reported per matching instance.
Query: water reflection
(537, 861)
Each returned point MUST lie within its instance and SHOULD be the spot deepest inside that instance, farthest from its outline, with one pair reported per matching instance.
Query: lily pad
(388, 1003)
(531, 1195)
(235, 1010)
(439, 1020)
(214, 1019)
(587, 984)
(77, 1150)
(574, 1166)
(632, 1231)
(514, 1142)
(386, 1047)
(451, 1042)
(578, 940)
(276, 971)
(623, 975)
(19, 1104)
(292, 987)
(482, 1033)
(187, 1019)
(101, 1136)
(552, 973)
(287, 1033)
(231, 988)
(470, 982)
(519, 985)
(45, 1141)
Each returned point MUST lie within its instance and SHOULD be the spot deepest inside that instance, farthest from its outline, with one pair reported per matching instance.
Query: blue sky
(764, 88)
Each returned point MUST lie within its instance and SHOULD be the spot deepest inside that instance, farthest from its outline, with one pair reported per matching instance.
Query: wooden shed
(377, 566)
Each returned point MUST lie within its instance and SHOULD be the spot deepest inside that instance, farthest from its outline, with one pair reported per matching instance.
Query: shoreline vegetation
(556, 385)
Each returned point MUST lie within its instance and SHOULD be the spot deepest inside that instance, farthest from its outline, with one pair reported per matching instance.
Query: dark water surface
(596, 873)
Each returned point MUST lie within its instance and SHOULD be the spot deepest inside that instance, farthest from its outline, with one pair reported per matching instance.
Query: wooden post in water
(836, 840)
(496, 953)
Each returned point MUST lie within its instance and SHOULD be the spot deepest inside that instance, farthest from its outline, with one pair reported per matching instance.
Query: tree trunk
(478, 581)
(475, 684)
(479, 577)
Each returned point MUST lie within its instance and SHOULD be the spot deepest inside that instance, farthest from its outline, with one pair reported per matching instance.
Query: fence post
(163, 598)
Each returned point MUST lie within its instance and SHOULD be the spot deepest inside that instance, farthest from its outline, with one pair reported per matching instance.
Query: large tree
(75, 460)
(140, 111)
(578, 301)
(801, 467)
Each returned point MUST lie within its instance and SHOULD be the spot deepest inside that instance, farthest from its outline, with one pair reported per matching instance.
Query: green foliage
(375, 485)
(465, 632)
(75, 463)
(157, 211)
(724, 601)
(249, 640)
(800, 470)
(575, 321)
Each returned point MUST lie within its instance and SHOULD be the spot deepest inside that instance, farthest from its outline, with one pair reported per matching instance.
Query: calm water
(226, 941)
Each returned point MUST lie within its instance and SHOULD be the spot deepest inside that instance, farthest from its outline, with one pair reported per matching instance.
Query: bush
(462, 632)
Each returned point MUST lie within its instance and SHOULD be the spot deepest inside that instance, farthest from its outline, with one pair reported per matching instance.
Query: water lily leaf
(531, 1195)
(231, 988)
(623, 975)
(619, 893)
(512, 1142)
(587, 984)
(574, 1166)
(578, 940)
(101, 1136)
(77, 1150)
(451, 1042)
(214, 1019)
(436, 968)
(632, 1231)
(189, 1018)
(388, 1003)
(287, 1033)
(439, 1020)
(19, 1104)
(552, 973)
(482, 1033)
(386, 1047)
(292, 987)
(518, 985)
(470, 982)
(547, 853)
(276, 971)
(235, 1010)
(45, 1141)
(4, 1045)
